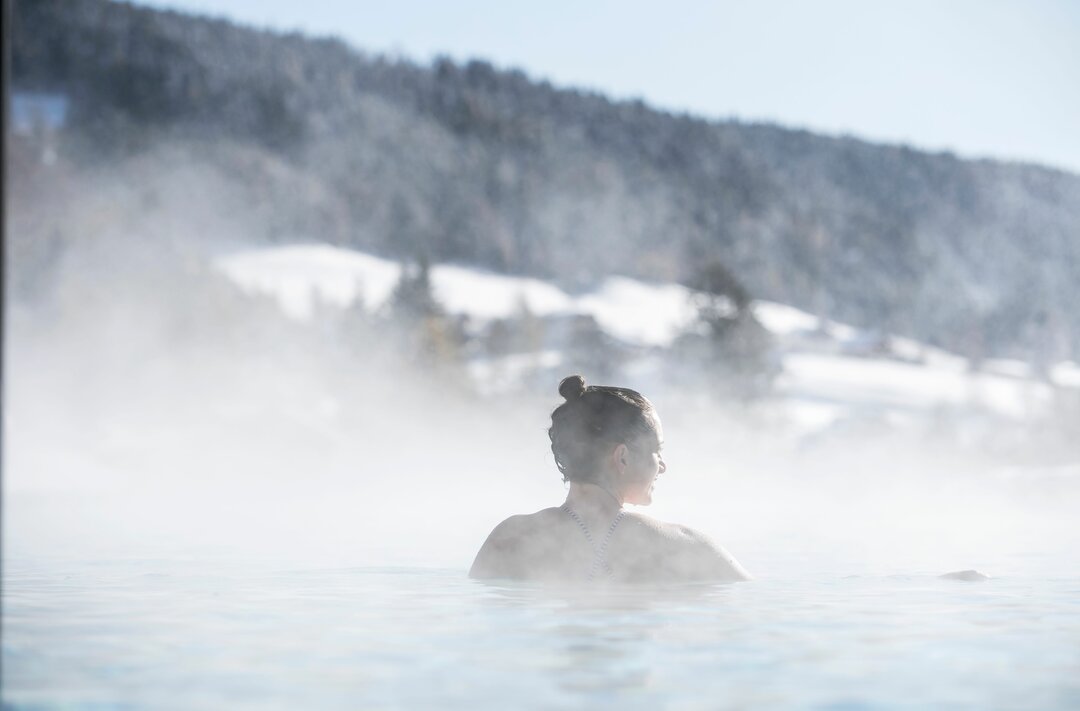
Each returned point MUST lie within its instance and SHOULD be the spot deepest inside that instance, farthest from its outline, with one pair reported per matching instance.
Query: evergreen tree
(731, 345)
(427, 335)
(412, 299)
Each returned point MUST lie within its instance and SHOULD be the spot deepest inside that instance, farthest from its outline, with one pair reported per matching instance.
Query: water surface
(181, 635)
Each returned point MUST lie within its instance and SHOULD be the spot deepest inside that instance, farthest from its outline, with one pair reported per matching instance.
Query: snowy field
(830, 372)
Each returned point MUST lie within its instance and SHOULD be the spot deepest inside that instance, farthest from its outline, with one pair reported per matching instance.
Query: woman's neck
(598, 496)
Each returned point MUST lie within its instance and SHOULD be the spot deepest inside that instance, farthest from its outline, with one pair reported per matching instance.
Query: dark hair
(592, 419)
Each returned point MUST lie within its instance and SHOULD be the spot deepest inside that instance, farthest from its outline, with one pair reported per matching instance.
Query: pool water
(181, 635)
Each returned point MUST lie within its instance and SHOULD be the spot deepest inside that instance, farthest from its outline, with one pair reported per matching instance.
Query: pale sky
(982, 78)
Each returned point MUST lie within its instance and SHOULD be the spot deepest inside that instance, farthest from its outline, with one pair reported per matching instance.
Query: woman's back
(551, 545)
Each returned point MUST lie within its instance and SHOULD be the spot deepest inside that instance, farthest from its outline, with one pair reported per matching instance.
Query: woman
(606, 443)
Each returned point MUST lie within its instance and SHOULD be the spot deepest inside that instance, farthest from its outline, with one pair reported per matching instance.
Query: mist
(155, 408)
(284, 327)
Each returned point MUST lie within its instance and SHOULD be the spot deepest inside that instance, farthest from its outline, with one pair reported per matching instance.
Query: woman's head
(607, 436)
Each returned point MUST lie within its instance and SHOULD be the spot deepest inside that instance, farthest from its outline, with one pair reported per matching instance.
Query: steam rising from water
(154, 409)
(158, 411)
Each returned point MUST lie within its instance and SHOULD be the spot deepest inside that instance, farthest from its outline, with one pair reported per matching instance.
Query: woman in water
(606, 443)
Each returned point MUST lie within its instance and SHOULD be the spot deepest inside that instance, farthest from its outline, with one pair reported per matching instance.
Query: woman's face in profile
(645, 463)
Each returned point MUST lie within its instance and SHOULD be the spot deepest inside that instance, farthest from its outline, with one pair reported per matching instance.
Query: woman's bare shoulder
(501, 554)
(685, 552)
(524, 523)
(662, 530)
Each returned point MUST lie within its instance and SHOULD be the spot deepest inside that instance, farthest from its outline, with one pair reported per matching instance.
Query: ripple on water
(164, 635)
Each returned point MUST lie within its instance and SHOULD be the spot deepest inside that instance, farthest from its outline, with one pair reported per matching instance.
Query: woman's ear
(620, 458)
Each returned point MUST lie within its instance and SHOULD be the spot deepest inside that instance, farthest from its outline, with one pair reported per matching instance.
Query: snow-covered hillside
(830, 371)
(301, 275)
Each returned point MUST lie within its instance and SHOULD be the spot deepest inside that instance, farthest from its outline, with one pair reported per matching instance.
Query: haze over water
(145, 416)
(211, 501)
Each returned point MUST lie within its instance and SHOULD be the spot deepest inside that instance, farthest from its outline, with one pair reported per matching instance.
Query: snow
(638, 312)
(485, 296)
(299, 275)
(1066, 374)
(830, 371)
(904, 386)
(1001, 366)
(782, 319)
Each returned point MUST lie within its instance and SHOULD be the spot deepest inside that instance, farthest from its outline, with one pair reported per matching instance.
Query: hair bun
(572, 387)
